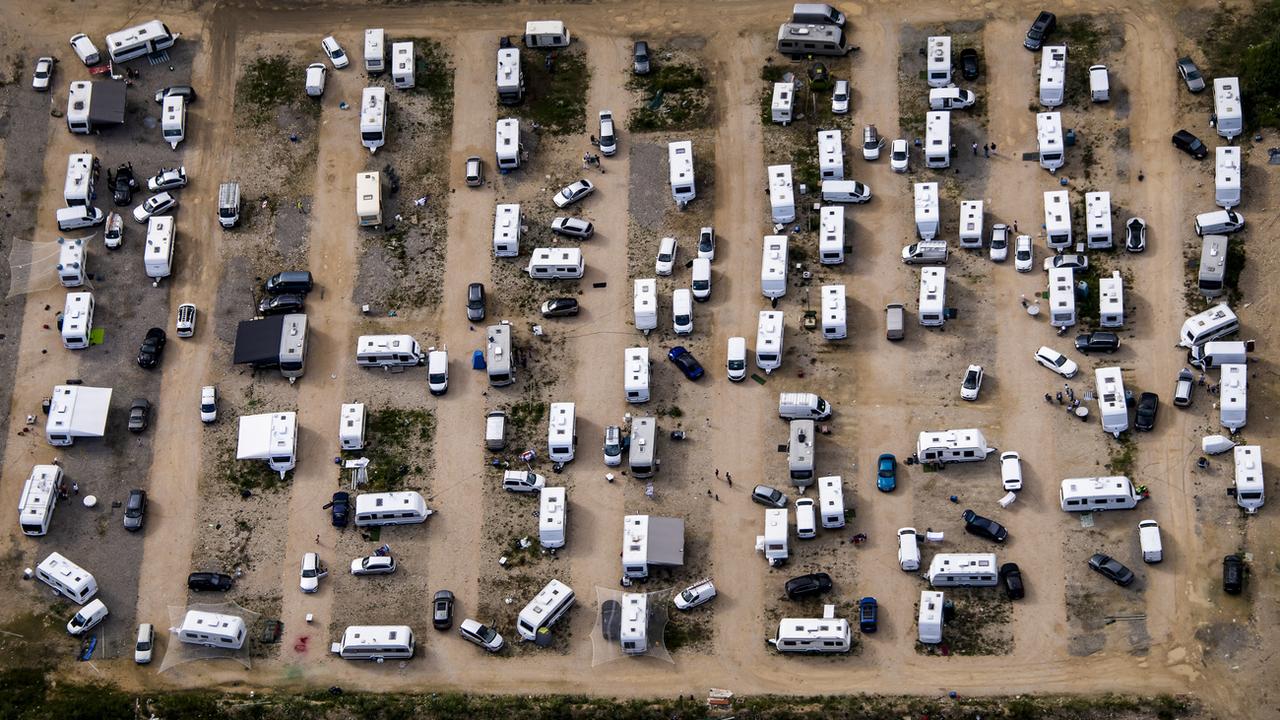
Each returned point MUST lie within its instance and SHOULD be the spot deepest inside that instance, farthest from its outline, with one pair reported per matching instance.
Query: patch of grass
(395, 438)
(269, 83)
(979, 625)
(1124, 454)
(673, 97)
(433, 72)
(685, 630)
(1245, 44)
(557, 101)
(1083, 37)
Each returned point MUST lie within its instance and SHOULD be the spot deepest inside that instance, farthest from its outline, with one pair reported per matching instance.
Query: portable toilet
(971, 224)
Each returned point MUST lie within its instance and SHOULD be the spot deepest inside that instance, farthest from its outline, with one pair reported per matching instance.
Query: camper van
(937, 139)
(1233, 388)
(800, 453)
(1057, 219)
(351, 426)
(71, 262)
(1218, 353)
(212, 630)
(134, 42)
(77, 320)
(814, 635)
(39, 498)
(558, 263)
(971, 224)
(784, 95)
(834, 324)
(939, 447)
(375, 51)
(373, 118)
(831, 235)
(546, 34)
(507, 144)
(506, 230)
(157, 257)
(634, 623)
(1227, 106)
(229, 204)
(950, 98)
(831, 501)
(402, 65)
(368, 199)
(773, 543)
(1053, 74)
(548, 606)
(375, 642)
(1098, 493)
(1049, 140)
(1099, 84)
(405, 507)
(635, 382)
(680, 162)
(1111, 301)
(773, 267)
(908, 549)
(82, 175)
(1250, 492)
(497, 355)
(1062, 297)
(830, 155)
(1216, 322)
(1113, 408)
(67, 578)
(1213, 265)
(642, 448)
(930, 620)
(938, 66)
(1227, 177)
(510, 81)
(933, 296)
(562, 432)
(173, 123)
(799, 40)
(782, 199)
(769, 341)
(388, 351)
(1097, 216)
(552, 508)
(926, 197)
(645, 304)
(794, 406)
(963, 570)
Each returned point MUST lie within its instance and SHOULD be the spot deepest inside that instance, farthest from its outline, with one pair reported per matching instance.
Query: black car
(1190, 144)
(289, 282)
(139, 415)
(1107, 342)
(475, 302)
(685, 360)
(210, 581)
(152, 348)
(1232, 574)
(768, 496)
(185, 91)
(969, 64)
(123, 183)
(282, 304)
(806, 585)
(975, 524)
(135, 510)
(560, 307)
(1011, 578)
(442, 610)
(1044, 24)
(1144, 420)
(340, 508)
(1112, 569)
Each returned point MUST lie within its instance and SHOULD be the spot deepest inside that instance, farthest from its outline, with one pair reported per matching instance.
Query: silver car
(482, 635)
(474, 171)
(573, 227)
(373, 565)
(613, 446)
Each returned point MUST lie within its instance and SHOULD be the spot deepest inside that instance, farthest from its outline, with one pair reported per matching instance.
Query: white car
(482, 635)
(85, 49)
(373, 565)
(1057, 362)
(43, 74)
(899, 156)
(707, 243)
(208, 404)
(573, 192)
(334, 51)
(145, 644)
(840, 98)
(613, 446)
(168, 179)
(871, 143)
(972, 383)
(158, 204)
(113, 232)
(1023, 258)
(608, 138)
(999, 242)
(87, 618)
(1011, 471)
(311, 572)
(666, 261)
(696, 594)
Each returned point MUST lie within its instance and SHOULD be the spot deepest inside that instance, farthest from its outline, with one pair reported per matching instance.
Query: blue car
(887, 473)
(867, 607)
(685, 360)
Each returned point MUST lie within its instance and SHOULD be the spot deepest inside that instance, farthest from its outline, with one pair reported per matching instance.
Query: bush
(1247, 46)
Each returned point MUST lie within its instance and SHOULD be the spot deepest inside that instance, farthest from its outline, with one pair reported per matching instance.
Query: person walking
(986, 150)
(975, 149)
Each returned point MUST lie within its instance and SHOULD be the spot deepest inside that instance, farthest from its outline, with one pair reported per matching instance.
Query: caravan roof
(78, 411)
(267, 435)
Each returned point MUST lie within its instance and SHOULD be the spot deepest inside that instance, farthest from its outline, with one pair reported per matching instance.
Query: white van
(87, 618)
(701, 279)
(806, 519)
(682, 311)
(908, 549)
(438, 371)
(495, 430)
(800, 406)
(1011, 471)
(80, 216)
(1149, 539)
(315, 79)
(548, 606)
(736, 359)
(1218, 353)
(1099, 83)
(1219, 222)
(845, 191)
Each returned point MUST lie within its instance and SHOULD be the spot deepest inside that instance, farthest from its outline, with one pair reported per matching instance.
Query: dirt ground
(1173, 631)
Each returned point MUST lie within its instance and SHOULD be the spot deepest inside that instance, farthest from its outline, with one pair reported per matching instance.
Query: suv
(1182, 388)
(1039, 31)
(1011, 578)
(1190, 144)
(1144, 420)
(139, 415)
(475, 302)
(123, 183)
(185, 326)
(867, 611)
(474, 171)
(1232, 574)
(806, 585)
(640, 55)
(219, 582)
(1107, 342)
(871, 143)
(282, 304)
(340, 508)
(975, 524)
(523, 481)
(608, 139)
(135, 510)
(442, 610)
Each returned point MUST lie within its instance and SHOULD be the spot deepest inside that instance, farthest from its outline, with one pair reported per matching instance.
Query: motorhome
(173, 120)
(804, 39)
(644, 300)
(1227, 177)
(272, 437)
(769, 331)
(506, 230)
(933, 296)
(351, 417)
(562, 432)
(134, 42)
(925, 252)
(1053, 74)
(375, 51)
(388, 351)
(1097, 217)
(784, 95)
(1099, 84)
(650, 540)
(72, 262)
(157, 256)
(795, 405)
(373, 118)
(277, 341)
(1227, 106)
(1111, 301)
(1212, 279)
(375, 642)
(1057, 219)
(963, 570)
(930, 620)
(552, 510)
(1062, 297)
(938, 447)
(1098, 493)
(497, 356)
(831, 501)
(773, 543)
(642, 448)
(937, 139)
(67, 578)
(77, 321)
(82, 175)
(510, 80)
(39, 498)
(926, 197)
(1250, 491)
(635, 379)
(680, 162)
(782, 199)
(800, 453)
(831, 235)
(555, 263)
(404, 507)
(76, 411)
(830, 155)
(92, 106)
(1049, 140)
(549, 605)
(814, 635)
(834, 312)
(938, 65)
(1233, 388)
(402, 65)
(971, 217)
(1113, 407)
(1216, 322)
(633, 631)
(507, 144)
(213, 630)
(773, 267)
(950, 98)
(368, 199)
(1218, 353)
(546, 34)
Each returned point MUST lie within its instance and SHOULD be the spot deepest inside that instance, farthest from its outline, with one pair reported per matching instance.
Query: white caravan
(937, 139)
(971, 224)
(773, 267)
(375, 51)
(773, 543)
(77, 321)
(553, 508)
(831, 235)
(782, 199)
(1057, 219)
(834, 324)
(633, 630)
(556, 263)
(173, 120)
(388, 351)
(39, 498)
(1233, 388)
(680, 162)
(831, 501)
(933, 296)
(1227, 106)
(635, 378)
(1250, 491)
(1113, 408)
(510, 81)
(272, 437)
(651, 540)
(1227, 177)
(134, 42)
(212, 630)
(82, 173)
(947, 446)
(374, 642)
(71, 262)
(1053, 75)
(548, 606)
(784, 96)
(1098, 493)
(507, 144)
(830, 155)
(827, 634)
(76, 411)
(1049, 140)
(373, 118)
(506, 230)
(562, 432)
(1216, 322)
(926, 196)
(769, 341)
(351, 418)
(368, 199)
(644, 300)
(1111, 301)
(930, 620)
(938, 65)
(67, 578)
(157, 256)
(405, 507)
(402, 65)
(546, 34)
(1097, 217)
(1062, 297)
(963, 570)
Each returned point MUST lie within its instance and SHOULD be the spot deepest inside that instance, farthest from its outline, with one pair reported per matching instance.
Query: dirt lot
(1172, 631)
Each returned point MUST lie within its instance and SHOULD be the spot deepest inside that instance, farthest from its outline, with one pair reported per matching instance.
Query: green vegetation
(270, 83)
(557, 101)
(1123, 456)
(980, 625)
(1247, 45)
(433, 73)
(685, 630)
(1083, 38)
(674, 98)
(246, 475)
(396, 438)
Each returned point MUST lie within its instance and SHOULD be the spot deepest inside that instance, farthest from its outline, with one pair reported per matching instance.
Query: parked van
(173, 123)
(908, 549)
(438, 371)
(1216, 322)
(375, 51)
(388, 351)
(548, 606)
(831, 501)
(1149, 539)
(1099, 84)
(1219, 222)
(895, 318)
(925, 252)
(1218, 353)
(67, 578)
(39, 498)
(806, 519)
(495, 430)
(229, 204)
(375, 642)
(315, 79)
(642, 448)
(682, 311)
(635, 381)
(87, 618)
(736, 359)
(800, 406)
(800, 453)
(817, 14)
(950, 98)
(845, 191)
(80, 216)
(769, 341)
(701, 279)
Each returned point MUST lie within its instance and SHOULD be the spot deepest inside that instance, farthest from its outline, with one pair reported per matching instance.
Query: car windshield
(612, 449)
(1059, 360)
(971, 379)
(486, 633)
(689, 595)
(308, 572)
(144, 645)
(1192, 72)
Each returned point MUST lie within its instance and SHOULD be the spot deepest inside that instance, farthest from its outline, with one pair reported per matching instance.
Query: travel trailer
(645, 304)
(1233, 388)
(1113, 408)
(212, 630)
(556, 263)
(930, 620)
(39, 498)
(1250, 492)
(402, 65)
(971, 224)
(548, 606)
(1062, 297)
(1098, 493)
(831, 235)
(830, 155)
(933, 296)
(1212, 279)
(373, 118)
(650, 540)
(506, 230)
(814, 635)
(71, 262)
(68, 579)
(1097, 216)
(963, 570)
(77, 321)
(800, 453)
(351, 418)
(405, 507)
(552, 510)
(375, 51)
(388, 351)
(368, 199)
(782, 199)
(773, 543)
(510, 81)
(157, 256)
(784, 95)
(507, 144)
(937, 139)
(769, 331)
(1049, 140)
(134, 42)
(546, 34)
(680, 162)
(1227, 177)
(926, 196)
(831, 501)
(562, 432)
(375, 642)
(94, 105)
(272, 437)
(76, 411)
(834, 324)
(277, 341)
(1111, 301)
(1053, 75)
(635, 379)
(82, 175)
(1227, 106)
(1216, 322)
(939, 447)
(633, 629)
(497, 355)
(173, 120)
(641, 457)
(1057, 219)
(773, 267)
(938, 64)
(805, 39)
